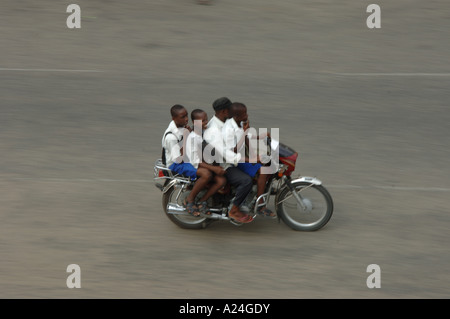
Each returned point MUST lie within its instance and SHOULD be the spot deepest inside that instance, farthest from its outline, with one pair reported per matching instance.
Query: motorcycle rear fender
(169, 185)
(175, 181)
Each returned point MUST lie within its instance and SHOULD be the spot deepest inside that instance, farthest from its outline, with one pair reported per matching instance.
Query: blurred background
(83, 112)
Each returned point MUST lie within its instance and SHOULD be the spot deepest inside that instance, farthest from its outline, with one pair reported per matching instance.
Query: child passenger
(174, 134)
(206, 172)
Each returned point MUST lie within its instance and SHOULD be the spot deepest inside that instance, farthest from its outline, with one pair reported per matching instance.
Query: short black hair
(236, 107)
(174, 110)
(221, 103)
(195, 113)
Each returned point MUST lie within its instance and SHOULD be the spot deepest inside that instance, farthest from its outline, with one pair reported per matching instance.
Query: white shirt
(232, 133)
(213, 135)
(194, 151)
(171, 143)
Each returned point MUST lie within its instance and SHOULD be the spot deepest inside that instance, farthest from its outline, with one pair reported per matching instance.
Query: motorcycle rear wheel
(183, 220)
(318, 207)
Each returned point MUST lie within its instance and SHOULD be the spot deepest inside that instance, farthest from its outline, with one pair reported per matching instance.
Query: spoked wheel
(313, 214)
(177, 196)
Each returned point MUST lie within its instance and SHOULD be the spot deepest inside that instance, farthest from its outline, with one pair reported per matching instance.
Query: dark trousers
(242, 181)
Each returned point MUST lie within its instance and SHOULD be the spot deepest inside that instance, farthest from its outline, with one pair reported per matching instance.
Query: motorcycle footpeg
(213, 216)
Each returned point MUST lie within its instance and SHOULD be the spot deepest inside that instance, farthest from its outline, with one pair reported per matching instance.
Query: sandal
(264, 211)
(244, 219)
(204, 209)
(191, 208)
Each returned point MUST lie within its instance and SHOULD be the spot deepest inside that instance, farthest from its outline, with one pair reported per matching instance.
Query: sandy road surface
(83, 111)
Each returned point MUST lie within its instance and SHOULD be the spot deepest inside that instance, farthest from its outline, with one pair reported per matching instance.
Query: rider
(242, 181)
(236, 135)
(173, 135)
(194, 153)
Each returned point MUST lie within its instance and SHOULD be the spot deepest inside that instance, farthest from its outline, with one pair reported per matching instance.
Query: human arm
(173, 149)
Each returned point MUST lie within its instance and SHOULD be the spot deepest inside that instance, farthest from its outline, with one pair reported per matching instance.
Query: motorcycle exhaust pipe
(176, 209)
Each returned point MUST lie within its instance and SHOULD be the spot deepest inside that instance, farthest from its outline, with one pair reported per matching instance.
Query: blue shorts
(186, 169)
(249, 168)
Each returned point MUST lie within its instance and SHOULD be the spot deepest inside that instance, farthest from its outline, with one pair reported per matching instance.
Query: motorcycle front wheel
(186, 221)
(315, 212)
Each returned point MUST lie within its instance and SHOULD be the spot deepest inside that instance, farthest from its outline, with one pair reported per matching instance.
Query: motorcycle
(302, 203)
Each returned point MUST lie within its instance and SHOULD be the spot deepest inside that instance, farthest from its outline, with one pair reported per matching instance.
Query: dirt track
(83, 111)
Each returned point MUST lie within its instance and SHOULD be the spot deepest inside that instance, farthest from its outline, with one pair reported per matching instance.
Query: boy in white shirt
(174, 134)
(228, 158)
(172, 138)
(194, 153)
(236, 138)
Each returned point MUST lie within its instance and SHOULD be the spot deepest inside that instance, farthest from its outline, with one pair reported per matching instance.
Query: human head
(222, 108)
(179, 115)
(239, 112)
(201, 115)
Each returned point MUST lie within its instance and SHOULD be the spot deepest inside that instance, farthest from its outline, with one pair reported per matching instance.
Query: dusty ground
(82, 113)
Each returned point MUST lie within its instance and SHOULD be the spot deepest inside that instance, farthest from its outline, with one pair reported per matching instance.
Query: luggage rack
(162, 174)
